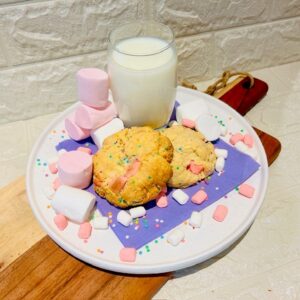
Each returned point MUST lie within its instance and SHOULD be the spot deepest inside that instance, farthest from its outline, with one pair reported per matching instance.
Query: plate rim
(131, 268)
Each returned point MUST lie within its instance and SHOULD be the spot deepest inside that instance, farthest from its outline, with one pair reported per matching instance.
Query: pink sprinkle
(53, 168)
(85, 149)
(61, 222)
(85, 230)
(246, 190)
(188, 123)
(157, 225)
(127, 254)
(56, 183)
(248, 140)
(162, 201)
(220, 213)
(194, 168)
(199, 197)
(236, 138)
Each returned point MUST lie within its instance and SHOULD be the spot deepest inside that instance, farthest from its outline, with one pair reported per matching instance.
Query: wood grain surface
(45, 271)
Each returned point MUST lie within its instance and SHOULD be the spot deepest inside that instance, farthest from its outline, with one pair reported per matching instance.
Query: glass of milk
(142, 70)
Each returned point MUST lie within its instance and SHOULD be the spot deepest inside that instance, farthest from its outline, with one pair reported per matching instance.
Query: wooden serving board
(46, 271)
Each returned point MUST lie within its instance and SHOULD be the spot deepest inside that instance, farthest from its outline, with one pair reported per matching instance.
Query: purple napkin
(238, 168)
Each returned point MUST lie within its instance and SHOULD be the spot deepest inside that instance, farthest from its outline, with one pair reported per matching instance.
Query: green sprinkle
(39, 164)
(148, 250)
(156, 241)
(38, 159)
(242, 130)
(216, 117)
(149, 177)
(147, 247)
(179, 149)
(140, 252)
(237, 189)
(110, 156)
(139, 146)
(162, 237)
(177, 168)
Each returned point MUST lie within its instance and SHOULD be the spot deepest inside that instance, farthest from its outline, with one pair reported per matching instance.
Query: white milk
(143, 86)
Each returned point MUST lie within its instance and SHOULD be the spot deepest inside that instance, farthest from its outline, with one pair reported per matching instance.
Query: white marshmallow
(124, 218)
(208, 126)
(241, 147)
(73, 203)
(220, 164)
(100, 134)
(61, 152)
(196, 219)
(100, 222)
(175, 237)
(221, 153)
(180, 196)
(173, 123)
(224, 130)
(137, 212)
(191, 110)
(48, 192)
(53, 160)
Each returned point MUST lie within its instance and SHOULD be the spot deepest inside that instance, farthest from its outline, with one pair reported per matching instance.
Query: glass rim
(168, 45)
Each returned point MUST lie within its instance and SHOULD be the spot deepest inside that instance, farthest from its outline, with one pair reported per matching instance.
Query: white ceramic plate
(102, 249)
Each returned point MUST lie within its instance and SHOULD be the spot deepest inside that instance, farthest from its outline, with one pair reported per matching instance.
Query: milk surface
(143, 84)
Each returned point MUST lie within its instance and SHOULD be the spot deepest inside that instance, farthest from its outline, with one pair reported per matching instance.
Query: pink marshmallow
(246, 190)
(85, 230)
(199, 197)
(61, 222)
(118, 183)
(164, 189)
(133, 168)
(53, 168)
(74, 131)
(194, 168)
(85, 149)
(188, 123)
(248, 140)
(162, 200)
(91, 118)
(236, 138)
(56, 183)
(220, 213)
(92, 87)
(127, 254)
(75, 169)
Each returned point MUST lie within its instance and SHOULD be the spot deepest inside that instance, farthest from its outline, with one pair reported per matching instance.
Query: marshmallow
(127, 254)
(248, 140)
(74, 131)
(85, 149)
(199, 197)
(175, 237)
(173, 123)
(100, 222)
(223, 130)
(133, 168)
(220, 164)
(85, 230)
(100, 134)
(180, 196)
(137, 212)
(61, 222)
(49, 192)
(162, 201)
(241, 147)
(195, 219)
(75, 169)
(208, 126)
(188, 123)
(236, 138)
(191, 110)
(91, 118)
(124, 218)
(118, 183)
(221, 153)
(92, 87)
(194, 168)
(220, 213)
(73, 203)
(246, 190)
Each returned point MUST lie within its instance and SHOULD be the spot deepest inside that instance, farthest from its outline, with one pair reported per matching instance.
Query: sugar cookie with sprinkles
(194, 158)
(133, 166)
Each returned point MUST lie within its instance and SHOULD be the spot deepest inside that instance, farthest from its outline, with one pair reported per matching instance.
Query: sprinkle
(156, 220)
(217, 188)
(157, 225)
(177, 168)
(162, 237)
(126, 237)
(156, 241)
(113, 225)
(48, 206)
(38, 159)
(161, 221)
(149, 177)
(140, 252)
(216, 117)
(179, 149)
(100, 251)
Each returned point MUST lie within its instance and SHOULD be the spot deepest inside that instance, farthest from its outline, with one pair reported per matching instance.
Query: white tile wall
(43, 43)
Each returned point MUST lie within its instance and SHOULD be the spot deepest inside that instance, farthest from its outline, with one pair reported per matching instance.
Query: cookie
(193, 158)
(133, 166)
